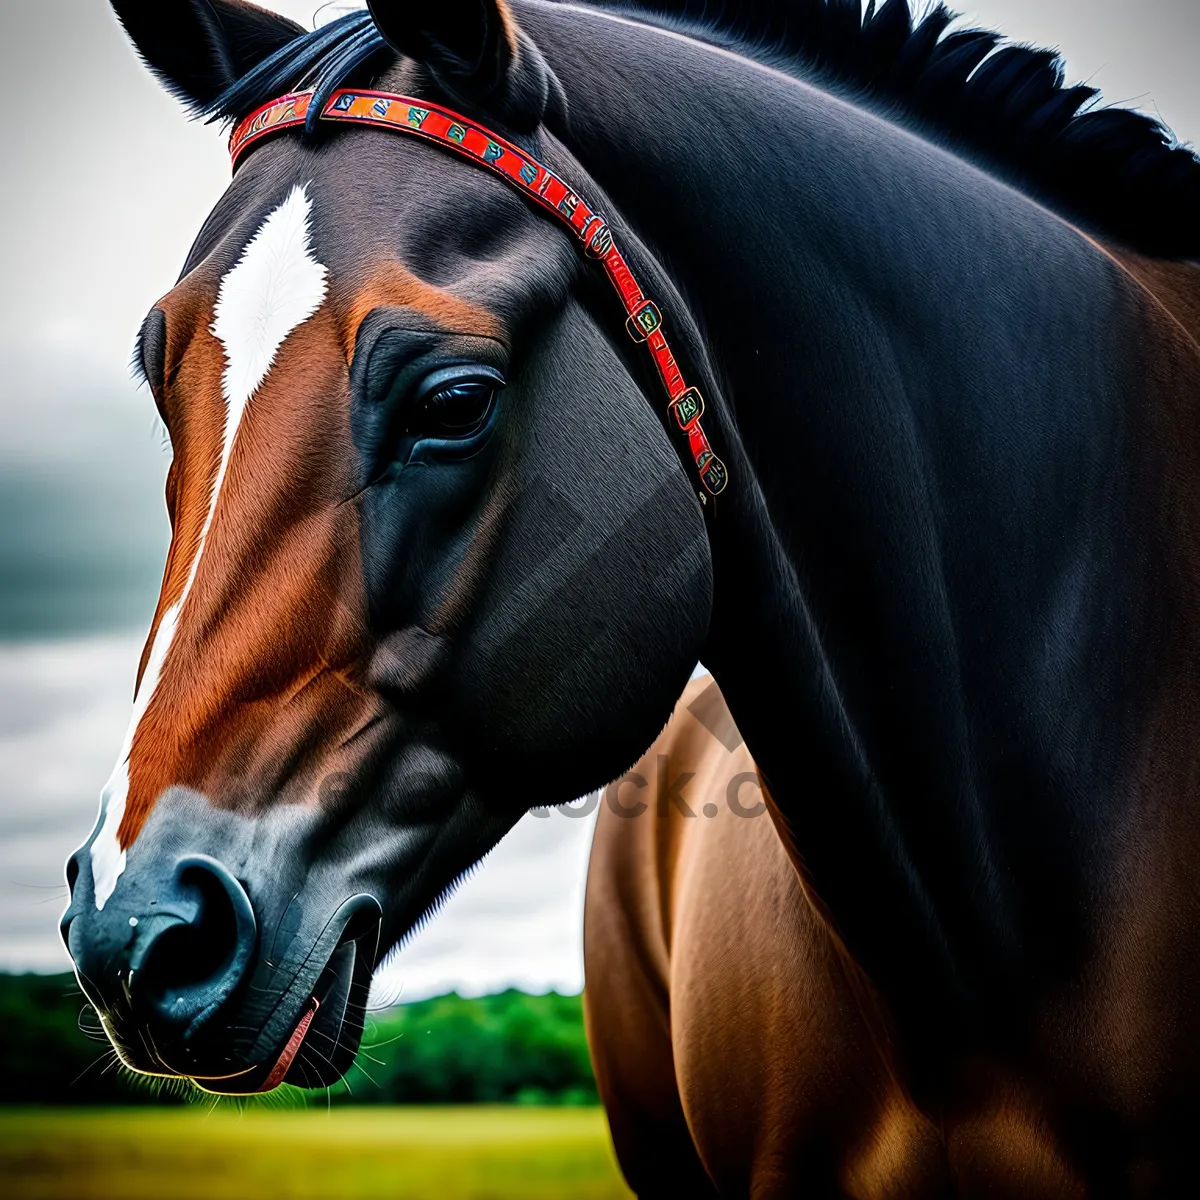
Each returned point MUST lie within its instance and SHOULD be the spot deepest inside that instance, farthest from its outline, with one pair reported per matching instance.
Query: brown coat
(735, 1041)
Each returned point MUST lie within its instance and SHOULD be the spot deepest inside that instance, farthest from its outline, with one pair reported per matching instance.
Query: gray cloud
(83, 528)
(63, 709)
(95, 220)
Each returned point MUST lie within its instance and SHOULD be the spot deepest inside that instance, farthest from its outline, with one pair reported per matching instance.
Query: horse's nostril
(72, 872)
(194, 951)
(64, 924)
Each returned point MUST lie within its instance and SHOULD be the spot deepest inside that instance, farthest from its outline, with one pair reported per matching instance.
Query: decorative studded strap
(385, 110)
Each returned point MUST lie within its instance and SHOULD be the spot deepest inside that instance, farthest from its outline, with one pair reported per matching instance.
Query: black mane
(1115, 170)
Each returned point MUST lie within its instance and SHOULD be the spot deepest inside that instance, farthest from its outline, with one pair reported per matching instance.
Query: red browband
(385, 110)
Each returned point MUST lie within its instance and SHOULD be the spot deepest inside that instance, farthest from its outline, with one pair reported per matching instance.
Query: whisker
(387, 999)
(333, 1068)
(367, 1073)
(337, 1042)
(87, 979)
(380, 1045)
(279, 923)
(302, 1063)
(109, 1054)
(151, 1049)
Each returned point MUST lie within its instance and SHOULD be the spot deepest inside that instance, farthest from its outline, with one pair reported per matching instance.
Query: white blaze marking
(276, 285)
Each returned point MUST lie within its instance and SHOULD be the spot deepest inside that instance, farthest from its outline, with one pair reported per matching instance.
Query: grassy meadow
(452, 1099)
(449, 1153)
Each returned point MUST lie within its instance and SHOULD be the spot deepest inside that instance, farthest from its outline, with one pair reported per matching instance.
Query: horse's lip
(274, 1076)
(218, 1078)
(284, 1061)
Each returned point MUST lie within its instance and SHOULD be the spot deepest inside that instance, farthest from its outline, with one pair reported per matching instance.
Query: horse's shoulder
(1170, 286)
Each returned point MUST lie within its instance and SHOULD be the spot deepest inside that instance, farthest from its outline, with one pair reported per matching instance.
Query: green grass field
(471, 1153)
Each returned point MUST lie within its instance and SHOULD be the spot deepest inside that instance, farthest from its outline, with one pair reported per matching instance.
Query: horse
(890, 423)
(738, 1047)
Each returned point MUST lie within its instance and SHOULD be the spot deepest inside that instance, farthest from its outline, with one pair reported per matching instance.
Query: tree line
(509, 1048)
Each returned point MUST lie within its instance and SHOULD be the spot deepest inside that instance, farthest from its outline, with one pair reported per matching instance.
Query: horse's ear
(198, 48)
(475, 50)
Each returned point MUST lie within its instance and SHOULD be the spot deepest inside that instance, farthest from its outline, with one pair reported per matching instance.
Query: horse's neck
(938, 610)
(744, 177)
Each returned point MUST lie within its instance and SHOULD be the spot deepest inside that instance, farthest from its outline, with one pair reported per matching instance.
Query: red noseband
(402, 114)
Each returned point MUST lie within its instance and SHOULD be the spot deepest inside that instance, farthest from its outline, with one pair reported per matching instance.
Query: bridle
(443, 127)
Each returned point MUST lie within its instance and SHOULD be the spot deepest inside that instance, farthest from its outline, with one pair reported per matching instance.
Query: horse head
(435, 557)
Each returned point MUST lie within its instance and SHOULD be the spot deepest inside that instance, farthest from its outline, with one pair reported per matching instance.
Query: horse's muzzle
(185, 987)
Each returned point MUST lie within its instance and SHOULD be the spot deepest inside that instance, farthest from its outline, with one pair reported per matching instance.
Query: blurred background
(481, 1007)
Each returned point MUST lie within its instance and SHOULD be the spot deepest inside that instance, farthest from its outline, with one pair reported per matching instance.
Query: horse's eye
(456, 408)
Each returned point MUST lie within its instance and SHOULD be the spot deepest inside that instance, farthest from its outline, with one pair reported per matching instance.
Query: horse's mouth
(253, 1080)
(283, 1064)
(323, 1041)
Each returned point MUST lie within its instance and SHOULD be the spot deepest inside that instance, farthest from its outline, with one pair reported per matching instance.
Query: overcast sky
(96, 217)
